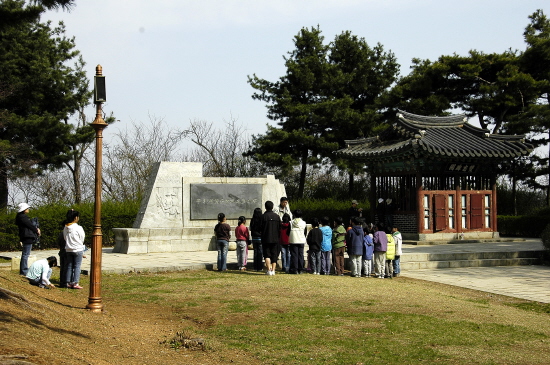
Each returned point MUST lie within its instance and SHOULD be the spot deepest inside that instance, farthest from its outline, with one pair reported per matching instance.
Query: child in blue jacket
(326, 245)
(368, 251)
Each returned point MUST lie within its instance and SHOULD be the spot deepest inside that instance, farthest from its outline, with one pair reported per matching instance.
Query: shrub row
(318, 208)
(525, 225)
(113, 215)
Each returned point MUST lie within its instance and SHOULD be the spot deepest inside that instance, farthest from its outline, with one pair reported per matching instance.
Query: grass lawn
(307, 319)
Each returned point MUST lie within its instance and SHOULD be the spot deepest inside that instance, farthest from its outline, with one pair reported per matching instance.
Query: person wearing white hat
(28, 234)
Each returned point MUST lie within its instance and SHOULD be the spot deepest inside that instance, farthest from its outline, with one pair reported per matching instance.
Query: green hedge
(326, 207)
(113, 215)
(525, 225)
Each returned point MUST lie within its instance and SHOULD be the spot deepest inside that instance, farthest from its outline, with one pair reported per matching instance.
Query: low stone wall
(451, 236)
(150, 240)
(16, 262)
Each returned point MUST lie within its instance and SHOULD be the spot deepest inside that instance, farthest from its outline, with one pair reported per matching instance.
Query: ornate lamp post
(94, 300)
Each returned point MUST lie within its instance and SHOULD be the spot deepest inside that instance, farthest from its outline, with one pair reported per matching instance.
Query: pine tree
(39, 90)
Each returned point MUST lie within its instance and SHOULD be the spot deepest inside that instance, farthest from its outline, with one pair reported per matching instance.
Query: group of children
(372, 250)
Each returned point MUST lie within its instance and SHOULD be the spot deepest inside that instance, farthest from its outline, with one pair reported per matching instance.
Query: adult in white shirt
(283, 208)
(74, 247)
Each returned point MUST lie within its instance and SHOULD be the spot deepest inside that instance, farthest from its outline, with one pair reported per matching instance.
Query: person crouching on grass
(40, 272)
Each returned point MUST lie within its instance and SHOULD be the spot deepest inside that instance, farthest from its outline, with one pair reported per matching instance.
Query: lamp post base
(95, 305)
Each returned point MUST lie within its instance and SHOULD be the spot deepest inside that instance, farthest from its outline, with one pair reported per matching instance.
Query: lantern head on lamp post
(100, 94)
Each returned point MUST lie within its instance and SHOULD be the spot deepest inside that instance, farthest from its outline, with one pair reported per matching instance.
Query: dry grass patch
(251, 318)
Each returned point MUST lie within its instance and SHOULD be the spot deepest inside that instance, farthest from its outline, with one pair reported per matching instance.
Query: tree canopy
(329, 93)
(536, 119)
(39, 90)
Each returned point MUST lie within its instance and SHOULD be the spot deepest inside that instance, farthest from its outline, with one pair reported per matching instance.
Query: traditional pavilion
(435, 177)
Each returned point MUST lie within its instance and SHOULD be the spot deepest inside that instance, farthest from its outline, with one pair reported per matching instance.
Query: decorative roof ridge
(405, 128)
(351, 142)
(480, 132)
(426, 121)
(507, 137)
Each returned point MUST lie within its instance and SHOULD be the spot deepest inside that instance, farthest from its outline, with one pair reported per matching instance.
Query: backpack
(34, 222)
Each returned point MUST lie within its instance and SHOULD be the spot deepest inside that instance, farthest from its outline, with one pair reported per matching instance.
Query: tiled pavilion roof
(445, 138)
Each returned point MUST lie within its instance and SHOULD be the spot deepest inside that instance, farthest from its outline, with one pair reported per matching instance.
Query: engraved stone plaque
(234, 200)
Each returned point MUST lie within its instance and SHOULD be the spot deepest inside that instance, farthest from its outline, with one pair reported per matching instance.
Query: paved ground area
(526, 282)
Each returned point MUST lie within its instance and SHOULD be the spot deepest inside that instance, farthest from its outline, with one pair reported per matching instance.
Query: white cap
(22, 207)
(381, 200)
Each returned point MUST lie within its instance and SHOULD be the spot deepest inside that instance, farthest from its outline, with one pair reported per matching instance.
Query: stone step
(419, 265)
(453, 242)
(453, 260)
(487, 255)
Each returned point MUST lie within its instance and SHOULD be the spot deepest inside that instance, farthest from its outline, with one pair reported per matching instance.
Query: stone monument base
(150, 240)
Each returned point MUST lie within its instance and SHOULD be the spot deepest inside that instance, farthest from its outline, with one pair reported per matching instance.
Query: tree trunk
(514, 189)
(76, 181)
(302, 185)
(3, 188)
(351, 184)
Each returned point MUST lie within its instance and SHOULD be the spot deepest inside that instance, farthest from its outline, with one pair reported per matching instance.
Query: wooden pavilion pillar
(458, 206)
(419, 203)
(494, 204)
(372, 195)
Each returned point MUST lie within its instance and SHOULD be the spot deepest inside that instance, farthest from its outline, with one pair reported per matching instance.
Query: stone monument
(180, 208)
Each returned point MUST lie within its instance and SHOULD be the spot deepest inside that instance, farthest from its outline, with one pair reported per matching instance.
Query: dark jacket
(354, 240)
(61, 242)
(256, 227)
(223, 231)
(27, 231)
(314, 239)
(271, 227)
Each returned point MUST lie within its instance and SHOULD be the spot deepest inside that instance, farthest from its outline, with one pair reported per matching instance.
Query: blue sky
(184, 60)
